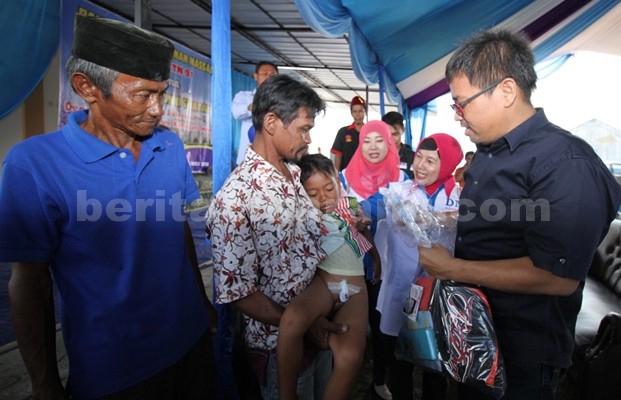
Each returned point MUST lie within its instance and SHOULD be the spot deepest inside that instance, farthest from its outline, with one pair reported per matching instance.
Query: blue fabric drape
(331, 19)
(222, 91)
(381, 89)
(573, 28)
(222, 144)
(29, 32)
(340, 17)
(418, 123)
(408, 126)
(548, 67)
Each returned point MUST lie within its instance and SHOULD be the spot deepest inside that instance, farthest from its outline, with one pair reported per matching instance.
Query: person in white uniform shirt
(241, 107)
(435, 160)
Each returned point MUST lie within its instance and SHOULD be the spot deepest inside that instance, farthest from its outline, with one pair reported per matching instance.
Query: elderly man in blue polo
(97, 206)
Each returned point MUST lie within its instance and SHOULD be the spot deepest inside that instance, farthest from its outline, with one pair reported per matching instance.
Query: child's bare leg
(315, 301)
(348, 348)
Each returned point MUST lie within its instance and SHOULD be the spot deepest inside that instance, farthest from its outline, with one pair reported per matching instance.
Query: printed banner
(187, 108)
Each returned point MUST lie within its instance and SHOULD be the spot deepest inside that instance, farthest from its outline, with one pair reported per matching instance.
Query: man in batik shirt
(265, 231)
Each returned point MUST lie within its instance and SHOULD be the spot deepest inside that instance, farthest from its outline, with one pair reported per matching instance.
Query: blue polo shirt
(113, 232)
(543, 193)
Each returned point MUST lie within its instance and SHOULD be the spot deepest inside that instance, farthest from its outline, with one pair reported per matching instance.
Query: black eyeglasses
(459, 107)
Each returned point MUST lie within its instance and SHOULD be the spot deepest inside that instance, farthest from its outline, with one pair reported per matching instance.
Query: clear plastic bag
(414, 220)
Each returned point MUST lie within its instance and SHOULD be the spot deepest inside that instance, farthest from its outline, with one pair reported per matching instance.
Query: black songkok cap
(122, 47)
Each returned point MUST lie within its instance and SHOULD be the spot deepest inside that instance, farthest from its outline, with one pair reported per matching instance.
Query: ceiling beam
(265, 46)
(355, 89)
(236, 28)
(308, 67)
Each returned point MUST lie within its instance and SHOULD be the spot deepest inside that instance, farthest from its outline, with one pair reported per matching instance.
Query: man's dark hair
(315, 163)
(492, 55)
(284, 96)
(393, 118)
(262, 63)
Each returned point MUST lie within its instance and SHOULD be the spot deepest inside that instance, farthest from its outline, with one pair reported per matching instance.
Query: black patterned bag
(466, 336)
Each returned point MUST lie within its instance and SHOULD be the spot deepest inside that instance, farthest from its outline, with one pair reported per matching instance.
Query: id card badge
(413, 301)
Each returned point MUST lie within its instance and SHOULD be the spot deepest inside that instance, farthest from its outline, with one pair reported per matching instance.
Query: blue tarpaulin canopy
(412, 41)
(405, 42)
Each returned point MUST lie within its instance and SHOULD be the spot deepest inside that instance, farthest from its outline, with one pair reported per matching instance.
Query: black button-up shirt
(543, 193)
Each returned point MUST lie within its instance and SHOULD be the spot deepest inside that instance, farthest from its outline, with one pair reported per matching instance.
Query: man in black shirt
(346, 140)
(536, 204)
(394, 120)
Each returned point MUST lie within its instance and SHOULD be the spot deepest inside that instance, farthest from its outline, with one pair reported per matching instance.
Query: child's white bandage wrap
(343, 289)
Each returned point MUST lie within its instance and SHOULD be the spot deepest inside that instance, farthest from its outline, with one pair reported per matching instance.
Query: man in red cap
(346, 141)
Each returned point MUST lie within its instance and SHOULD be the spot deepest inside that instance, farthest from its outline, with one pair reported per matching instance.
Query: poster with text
(187, 108)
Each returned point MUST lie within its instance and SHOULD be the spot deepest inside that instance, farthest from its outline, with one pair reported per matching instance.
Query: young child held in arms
(338, 286)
